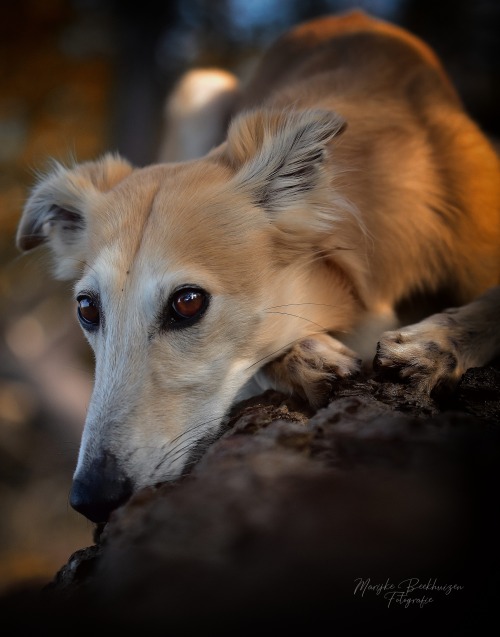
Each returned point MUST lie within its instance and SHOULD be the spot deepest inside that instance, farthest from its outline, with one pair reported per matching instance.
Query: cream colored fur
(351, 178)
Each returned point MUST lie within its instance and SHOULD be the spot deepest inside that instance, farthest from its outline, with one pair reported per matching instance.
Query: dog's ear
(279, 155)
(56, 210)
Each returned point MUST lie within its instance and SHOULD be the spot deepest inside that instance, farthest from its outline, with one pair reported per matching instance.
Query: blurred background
(80, 77)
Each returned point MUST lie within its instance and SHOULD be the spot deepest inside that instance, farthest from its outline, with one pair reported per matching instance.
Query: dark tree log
(287, 510)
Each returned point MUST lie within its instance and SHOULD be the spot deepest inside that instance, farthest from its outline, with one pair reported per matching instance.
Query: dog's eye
(88, 312)
(188, 303)
(186, 306)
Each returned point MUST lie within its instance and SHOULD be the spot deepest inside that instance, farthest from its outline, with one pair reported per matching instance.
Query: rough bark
(283, 514)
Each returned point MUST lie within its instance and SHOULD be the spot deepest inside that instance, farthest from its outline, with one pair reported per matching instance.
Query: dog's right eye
(88, 312)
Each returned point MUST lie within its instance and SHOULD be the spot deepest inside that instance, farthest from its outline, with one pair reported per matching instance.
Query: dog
(350, 179)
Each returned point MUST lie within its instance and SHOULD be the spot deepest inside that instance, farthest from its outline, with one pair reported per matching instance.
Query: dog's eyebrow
(87, 282)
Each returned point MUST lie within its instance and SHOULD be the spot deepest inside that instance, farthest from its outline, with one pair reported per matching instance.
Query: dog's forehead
(173, 204)
(175, 218)
(138, 286)
(170, 225)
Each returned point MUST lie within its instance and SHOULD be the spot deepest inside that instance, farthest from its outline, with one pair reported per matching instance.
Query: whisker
(186, 439)
(300, 317)
(284, 347)
(187, 448)
(314, 258)
(272, 307)
(321, 255)
(182, 443)
(193, 427)
(189, 465)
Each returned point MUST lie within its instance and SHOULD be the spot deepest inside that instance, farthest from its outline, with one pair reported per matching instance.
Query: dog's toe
(313, 367)
(418, 356)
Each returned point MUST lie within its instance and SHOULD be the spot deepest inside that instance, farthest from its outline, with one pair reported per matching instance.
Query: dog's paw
(312, 368)
(424, 355)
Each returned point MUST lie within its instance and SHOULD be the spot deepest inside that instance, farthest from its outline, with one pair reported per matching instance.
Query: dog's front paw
(312, 368)
(424, 354)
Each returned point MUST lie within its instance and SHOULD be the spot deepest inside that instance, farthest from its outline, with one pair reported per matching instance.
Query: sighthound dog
(350, 178)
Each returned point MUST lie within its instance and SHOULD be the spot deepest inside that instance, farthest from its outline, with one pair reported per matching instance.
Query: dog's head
(180, 270)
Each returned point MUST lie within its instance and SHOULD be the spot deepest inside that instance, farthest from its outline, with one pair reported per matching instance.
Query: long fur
(350, 180)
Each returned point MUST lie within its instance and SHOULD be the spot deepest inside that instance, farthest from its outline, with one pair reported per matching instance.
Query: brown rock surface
(283, 514)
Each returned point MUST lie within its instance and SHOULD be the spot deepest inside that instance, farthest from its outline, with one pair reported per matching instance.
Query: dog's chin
(180, 467)
(197, 452)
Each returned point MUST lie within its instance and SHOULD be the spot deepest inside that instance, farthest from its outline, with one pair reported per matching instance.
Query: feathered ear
(278, 155)
(55, 212)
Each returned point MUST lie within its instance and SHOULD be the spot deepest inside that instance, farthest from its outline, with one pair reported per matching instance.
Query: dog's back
(360, 52)
(422, 174)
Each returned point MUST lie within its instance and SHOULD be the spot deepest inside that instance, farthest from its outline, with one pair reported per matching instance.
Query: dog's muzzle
(100, 489)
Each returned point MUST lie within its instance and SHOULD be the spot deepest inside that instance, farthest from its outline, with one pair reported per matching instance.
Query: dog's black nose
(100, 489)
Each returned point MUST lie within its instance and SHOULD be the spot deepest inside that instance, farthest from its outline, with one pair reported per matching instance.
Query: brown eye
(187, 303)
(88, 312)
(186, 306)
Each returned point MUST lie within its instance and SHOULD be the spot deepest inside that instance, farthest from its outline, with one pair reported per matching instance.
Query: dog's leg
(311, 367)
(439, 349)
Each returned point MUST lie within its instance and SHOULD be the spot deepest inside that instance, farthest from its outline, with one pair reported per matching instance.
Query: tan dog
(350, 179)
